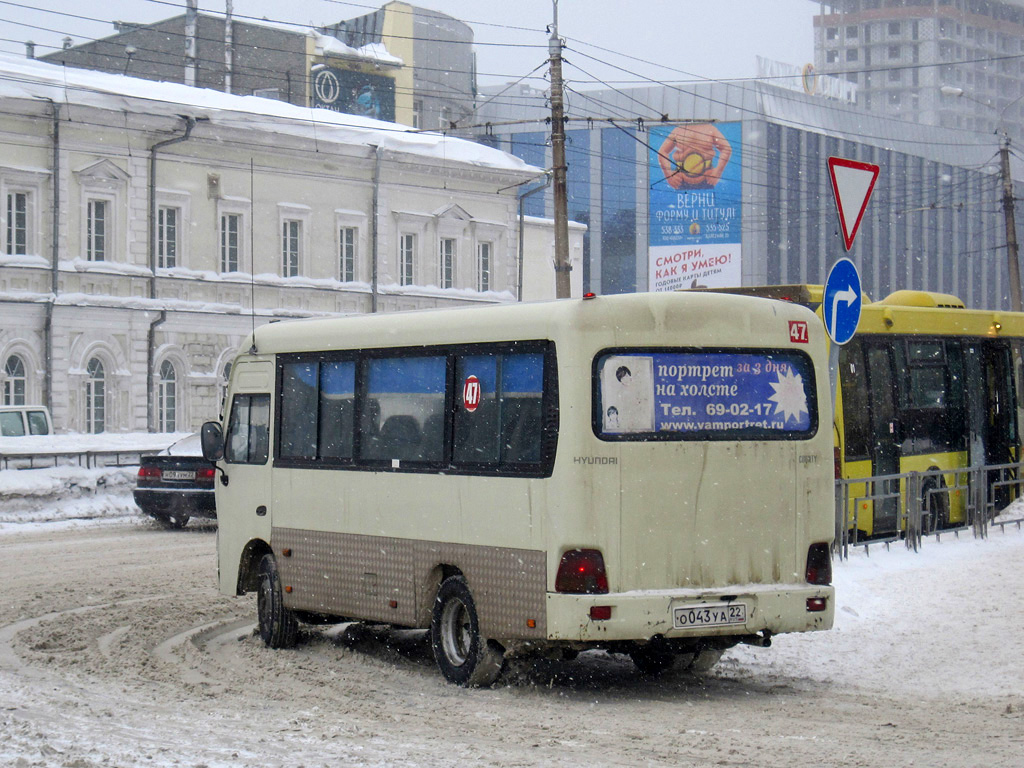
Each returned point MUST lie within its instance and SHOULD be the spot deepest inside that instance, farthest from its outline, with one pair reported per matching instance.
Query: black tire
(653, 659)
(463, 656)
(278, 625)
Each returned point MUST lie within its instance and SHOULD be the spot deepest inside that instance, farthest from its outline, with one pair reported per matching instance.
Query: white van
(649, 473)
(23, 420)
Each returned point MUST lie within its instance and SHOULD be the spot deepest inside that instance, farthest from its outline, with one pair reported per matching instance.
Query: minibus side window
(403, 411)
(248, 438)
(298, 410)
(337, 409)
(499, 408)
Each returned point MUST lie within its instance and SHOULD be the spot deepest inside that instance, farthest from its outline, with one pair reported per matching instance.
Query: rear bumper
(642, 615)
(195, 502)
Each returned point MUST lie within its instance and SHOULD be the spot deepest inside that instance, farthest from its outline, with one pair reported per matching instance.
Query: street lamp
(1004, 171)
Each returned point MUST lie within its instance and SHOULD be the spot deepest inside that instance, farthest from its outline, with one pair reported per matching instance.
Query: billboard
(354, 93)
(694, 226)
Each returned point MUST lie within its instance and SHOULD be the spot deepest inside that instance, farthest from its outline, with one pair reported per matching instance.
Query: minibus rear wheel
(278, 625)
(653, 658)
(463, 656)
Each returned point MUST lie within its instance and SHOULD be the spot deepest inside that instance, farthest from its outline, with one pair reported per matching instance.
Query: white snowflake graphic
(789, 398)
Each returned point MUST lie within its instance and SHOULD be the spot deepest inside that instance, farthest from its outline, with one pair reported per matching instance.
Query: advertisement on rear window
(706, 394)
(695, 205)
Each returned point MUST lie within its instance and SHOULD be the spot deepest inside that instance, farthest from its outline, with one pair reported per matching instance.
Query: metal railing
(913, 506)
(88, 459)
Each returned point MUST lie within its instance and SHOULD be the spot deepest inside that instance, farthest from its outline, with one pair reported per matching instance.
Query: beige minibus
(650, 474)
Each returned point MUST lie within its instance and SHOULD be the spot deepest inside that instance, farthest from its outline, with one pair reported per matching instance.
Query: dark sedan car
(176, 484)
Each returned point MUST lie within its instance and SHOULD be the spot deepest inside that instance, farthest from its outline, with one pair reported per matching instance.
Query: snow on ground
(70, 492)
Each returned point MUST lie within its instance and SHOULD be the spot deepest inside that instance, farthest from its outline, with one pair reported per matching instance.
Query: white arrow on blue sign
(841, 302)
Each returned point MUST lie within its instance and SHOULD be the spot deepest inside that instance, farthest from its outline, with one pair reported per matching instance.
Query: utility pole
(560, 193)
(191, 21)
(1011, 225)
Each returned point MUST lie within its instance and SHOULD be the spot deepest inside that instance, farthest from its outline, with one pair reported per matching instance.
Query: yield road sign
(840, 308)
(852, 183)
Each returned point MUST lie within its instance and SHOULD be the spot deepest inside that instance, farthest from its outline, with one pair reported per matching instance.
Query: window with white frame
(447, 262)
(95, 397)
(97, 229)
(348, 238)
(17, 240)
(167, 398)
(230, 241)
(484, 253)
(167, 223)
(291, 247)
(14, 381)
(406, 258)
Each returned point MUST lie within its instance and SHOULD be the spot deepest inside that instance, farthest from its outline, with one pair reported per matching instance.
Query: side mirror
(212, 439)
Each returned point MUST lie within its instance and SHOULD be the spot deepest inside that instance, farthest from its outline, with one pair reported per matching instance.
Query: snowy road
(115, 650)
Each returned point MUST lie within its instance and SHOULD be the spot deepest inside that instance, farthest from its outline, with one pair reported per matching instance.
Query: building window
(167, 237)
(894, 27)
(483, 266)
(831, 57)
(97, 226)
(347, 253)
(895, 75)
(95, 398)
(851, 32)
(14, 381)
(445, 119)
(831, 33)
(291, 239)
(230, 232)
(406, 254)
(167, 398)
(17, 223)
(894, 51)
(447, 262)
(851, 54)
(417, 113)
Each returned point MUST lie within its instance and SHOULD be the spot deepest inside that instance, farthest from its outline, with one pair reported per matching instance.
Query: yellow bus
(927, 386)
(649, 474)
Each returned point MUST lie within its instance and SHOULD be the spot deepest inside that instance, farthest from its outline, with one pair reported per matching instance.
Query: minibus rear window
(676, 394)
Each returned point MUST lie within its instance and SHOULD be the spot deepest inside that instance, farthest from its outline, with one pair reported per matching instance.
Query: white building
(146, 228)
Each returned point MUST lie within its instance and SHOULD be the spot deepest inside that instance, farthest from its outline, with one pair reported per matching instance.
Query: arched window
(14, 381)
(167, 398)
(95, 397)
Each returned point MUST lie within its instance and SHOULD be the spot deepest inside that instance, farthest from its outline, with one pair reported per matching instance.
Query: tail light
(581, 572)
(205, 475)
(819, 565)
(838, 462)
(149, 473)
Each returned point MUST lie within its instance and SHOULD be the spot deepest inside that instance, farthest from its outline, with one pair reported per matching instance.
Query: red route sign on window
(852, 184)
(471, 393)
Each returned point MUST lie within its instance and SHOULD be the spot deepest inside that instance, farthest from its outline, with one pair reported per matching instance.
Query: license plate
(178, 474)
(709, 615)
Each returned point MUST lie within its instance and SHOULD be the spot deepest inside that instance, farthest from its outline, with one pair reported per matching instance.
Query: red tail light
(205, 474)
(581, 572)
(838, 460)
(819, 565)
(150, 473)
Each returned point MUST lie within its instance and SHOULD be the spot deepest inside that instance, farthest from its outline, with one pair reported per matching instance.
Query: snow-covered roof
(374, 53)
(32, 79)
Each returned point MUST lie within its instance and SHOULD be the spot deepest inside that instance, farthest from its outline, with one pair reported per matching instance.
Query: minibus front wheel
(278, 625)
(463, 656)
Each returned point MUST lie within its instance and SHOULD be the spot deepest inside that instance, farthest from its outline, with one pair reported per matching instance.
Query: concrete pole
(560, 193)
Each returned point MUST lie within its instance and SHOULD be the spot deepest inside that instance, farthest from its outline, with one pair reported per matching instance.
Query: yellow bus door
(884, 426)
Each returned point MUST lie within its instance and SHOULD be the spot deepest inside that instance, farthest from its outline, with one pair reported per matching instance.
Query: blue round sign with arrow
(841, 302)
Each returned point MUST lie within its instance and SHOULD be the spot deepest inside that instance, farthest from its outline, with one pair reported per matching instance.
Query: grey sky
(687, 38)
